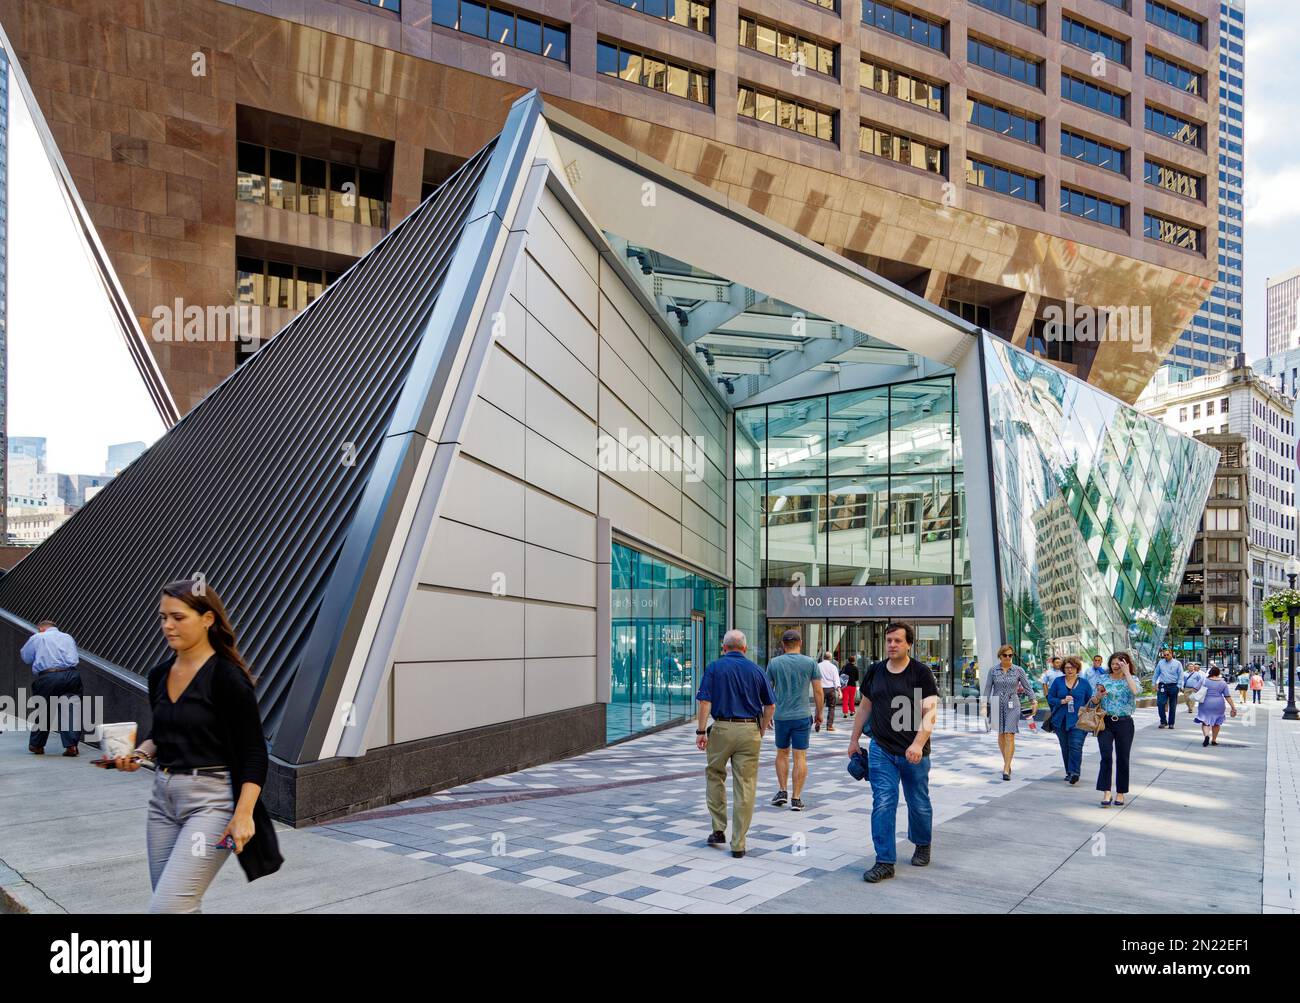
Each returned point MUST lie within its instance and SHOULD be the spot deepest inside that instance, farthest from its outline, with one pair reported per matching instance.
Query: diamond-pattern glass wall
(1096, 505)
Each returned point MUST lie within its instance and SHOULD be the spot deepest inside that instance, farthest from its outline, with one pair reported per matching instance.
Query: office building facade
(1214, 338)
(544, 512)
(1241, 402)
(1282, 311)
(989, 156)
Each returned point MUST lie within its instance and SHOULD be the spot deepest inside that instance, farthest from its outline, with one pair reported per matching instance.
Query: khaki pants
(737, 743)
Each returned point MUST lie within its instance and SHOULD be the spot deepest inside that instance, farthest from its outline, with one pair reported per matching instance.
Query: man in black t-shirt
(901, 698)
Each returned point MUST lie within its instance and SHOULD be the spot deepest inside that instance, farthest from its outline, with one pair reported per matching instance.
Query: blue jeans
(1071, 740)
(887, 770)
(1167, 693)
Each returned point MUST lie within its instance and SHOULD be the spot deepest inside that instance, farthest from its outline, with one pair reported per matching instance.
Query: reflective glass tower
(1215, 335)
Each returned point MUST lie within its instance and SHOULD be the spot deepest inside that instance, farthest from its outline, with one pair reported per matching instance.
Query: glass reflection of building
(666, 625)
(1106, 577)
(4, 290)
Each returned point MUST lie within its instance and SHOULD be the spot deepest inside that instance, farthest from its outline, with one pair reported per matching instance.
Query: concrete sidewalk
(72, 841)
(623, 829)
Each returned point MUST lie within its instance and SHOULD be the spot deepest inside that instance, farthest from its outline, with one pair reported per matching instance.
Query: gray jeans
(187, 814)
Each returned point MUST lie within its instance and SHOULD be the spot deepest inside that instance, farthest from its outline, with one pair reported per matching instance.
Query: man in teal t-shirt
(792, 675)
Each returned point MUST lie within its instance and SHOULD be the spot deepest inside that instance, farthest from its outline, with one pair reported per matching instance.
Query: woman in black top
(207, 743)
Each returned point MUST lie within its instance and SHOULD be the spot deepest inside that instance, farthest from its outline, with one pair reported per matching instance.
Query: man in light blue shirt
(793, 676)
(1167, 682)
(52, 654)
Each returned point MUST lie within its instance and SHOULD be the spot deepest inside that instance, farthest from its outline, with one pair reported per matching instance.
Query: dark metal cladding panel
(253, 488)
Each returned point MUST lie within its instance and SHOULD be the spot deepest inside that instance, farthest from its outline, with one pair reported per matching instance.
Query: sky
(1272, 189)
(71, 379)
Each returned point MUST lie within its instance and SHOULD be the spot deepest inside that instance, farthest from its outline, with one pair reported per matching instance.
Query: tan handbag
(1091, 719)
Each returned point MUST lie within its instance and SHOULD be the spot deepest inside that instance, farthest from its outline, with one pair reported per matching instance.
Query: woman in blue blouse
(1066, 697)
(1117, 690)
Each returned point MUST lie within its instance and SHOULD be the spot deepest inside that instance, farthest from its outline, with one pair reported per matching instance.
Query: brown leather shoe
(36, 752)
(71, 751)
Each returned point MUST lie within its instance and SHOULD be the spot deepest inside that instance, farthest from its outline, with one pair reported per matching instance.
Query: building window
(1004, 121)
(903, 23)
(394, 5)
(1000, 60)
(1097, 98)
(1167, 124)
(519, 31)
(902, 149)
(786, 45)
(973, 313)
(1018, 10)
(901, 84)
(1189, 238)
(1084, 36)
(825, 4)
(1175, 21)
(653, 72)
(278, 283)
(1092, 151)
(1173, 180)
(786, 112)
(1003, 180)
(687, 13)
(311, 186)
(1174, 74)
(1092, 207)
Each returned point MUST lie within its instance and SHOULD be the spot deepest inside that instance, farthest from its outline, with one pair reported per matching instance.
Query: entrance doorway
(865, 641)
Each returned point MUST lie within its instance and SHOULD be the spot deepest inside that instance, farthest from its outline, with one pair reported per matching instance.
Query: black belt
(195, 770)
(739, 720)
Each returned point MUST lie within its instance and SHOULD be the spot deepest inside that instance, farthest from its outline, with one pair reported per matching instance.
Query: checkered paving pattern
(625, 826)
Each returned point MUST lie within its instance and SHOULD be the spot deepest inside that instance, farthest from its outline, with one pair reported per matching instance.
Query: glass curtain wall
(1097, 505)
(862, 487)
(666, 625)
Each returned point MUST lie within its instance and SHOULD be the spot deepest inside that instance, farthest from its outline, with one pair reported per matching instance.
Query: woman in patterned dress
(1002, 687)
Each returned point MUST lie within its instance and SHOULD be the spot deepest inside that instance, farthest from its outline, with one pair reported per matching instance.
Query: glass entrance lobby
(864, 640)
(857, 497)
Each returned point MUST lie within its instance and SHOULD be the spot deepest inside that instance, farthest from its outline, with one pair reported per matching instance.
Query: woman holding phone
(1117, 690)
(210, 755)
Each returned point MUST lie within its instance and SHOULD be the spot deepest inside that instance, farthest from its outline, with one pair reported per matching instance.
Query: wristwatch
(701, 733)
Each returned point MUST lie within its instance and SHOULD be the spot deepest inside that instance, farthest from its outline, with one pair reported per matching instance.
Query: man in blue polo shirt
(735, 692)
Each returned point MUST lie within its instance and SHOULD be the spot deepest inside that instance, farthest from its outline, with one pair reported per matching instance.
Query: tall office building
(1282, 296)
(1004, 159)
(1214, 337)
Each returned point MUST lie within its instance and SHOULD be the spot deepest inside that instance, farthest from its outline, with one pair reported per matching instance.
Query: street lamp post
(1291, 713)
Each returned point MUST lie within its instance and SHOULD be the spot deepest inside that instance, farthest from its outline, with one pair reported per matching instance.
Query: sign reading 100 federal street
(888, 601)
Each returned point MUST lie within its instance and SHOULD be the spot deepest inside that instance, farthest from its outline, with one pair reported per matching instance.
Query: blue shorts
(794, 732)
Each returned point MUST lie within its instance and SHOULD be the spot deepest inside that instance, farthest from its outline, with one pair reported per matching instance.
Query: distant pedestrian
(901, 698)
(53, 656)
(1256, 686)
(1193, 680)
(1167, 682)
(1243, 684)
(830, 684)
(209, 749)
(1118, 696)
(793, 677)
(1067, 697)
(1054, 672)
(849, 677)
(1000, 698)
(1218, 699)
(1096, 672)
(736, 693)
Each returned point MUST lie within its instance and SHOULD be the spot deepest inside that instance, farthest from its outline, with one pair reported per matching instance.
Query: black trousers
(1115, 743)
(51, 685)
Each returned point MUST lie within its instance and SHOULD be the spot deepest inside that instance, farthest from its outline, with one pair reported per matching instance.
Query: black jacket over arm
(245, 745)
